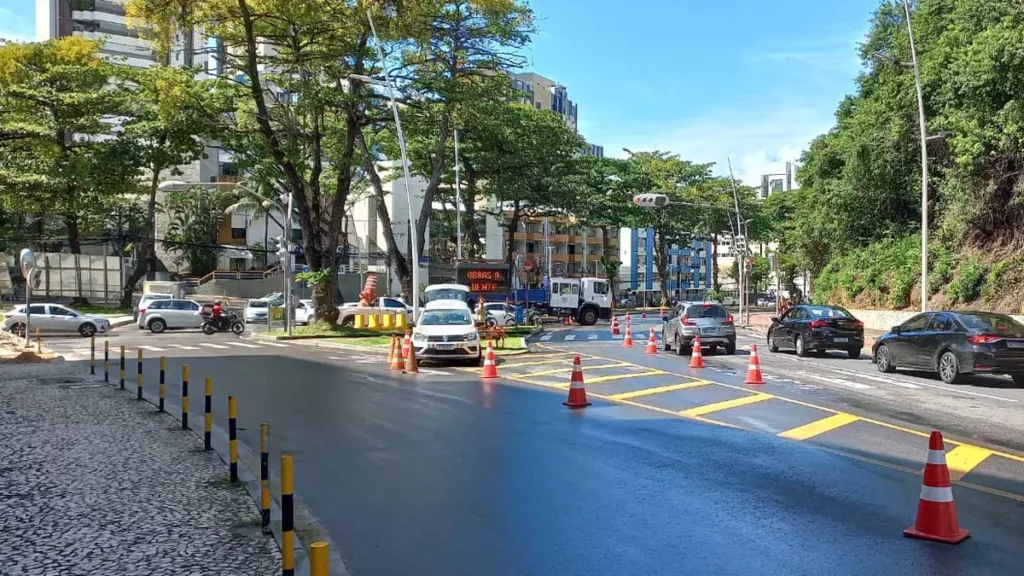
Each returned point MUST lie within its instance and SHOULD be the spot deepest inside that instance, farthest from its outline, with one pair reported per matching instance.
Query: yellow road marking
(568, 369)
(718, 406)
(601, 379)
(963, 459)
(819, 426)
(537, 363)
(659, 390)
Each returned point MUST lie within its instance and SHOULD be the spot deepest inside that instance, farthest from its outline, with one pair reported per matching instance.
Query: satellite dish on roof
(26, 260)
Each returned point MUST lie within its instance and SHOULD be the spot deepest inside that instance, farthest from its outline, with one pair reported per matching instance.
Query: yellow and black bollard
(184, 397)
(106, 361)
(319, 564)
(92, 355)
(122, 366)
(287, 518)
(138, 377)
(163, 383)
(264, 480)
(233, 437)
(208, 415)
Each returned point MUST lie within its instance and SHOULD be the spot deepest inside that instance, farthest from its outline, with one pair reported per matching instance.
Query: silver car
(709, 320)
(50, 318)
(170, 313)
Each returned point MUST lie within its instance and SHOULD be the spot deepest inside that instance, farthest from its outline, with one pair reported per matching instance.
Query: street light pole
(287, 266)
(739, 229)
(458, 201)
(414, 249)
(924, 162)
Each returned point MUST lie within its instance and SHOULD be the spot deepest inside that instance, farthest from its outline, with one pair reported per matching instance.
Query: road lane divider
(962, 459)
(719, 406)
(659, 390)
(818, 427)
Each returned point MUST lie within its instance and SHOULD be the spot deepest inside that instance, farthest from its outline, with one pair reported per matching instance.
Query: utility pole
(924, 162)
(458, 201)
(742, 256)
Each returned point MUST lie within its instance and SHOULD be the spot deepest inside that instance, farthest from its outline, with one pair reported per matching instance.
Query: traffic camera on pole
(651, 200)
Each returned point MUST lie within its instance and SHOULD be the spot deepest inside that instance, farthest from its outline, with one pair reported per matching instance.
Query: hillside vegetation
(855, 222)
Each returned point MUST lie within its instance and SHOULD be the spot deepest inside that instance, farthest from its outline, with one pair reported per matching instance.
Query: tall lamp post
(924, 162)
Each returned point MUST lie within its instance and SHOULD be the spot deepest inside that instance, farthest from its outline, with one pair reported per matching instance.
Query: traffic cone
(652, 344)
(490, 367)
(754, 368)
(936, 512)
(411, 365)
(615, 326)
(696, 357)
(391, 351)
(401, 351)
(627, 342)
(577, 392)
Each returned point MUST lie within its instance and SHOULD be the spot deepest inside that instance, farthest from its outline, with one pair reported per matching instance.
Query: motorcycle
(229, 321)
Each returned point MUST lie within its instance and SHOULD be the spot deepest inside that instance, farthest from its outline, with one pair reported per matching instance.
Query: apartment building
(689, 267)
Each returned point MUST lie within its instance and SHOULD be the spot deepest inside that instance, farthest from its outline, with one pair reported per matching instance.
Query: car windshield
(992, 323)
(445, 318)
(706, 311)
(447, 294)
(828, 312)
(258, 303)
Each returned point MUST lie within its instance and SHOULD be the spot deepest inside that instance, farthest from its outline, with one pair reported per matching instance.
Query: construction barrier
(163, 383)
(208, 415)
(138, 376)
(287, 517)
(184, 396)
(264, 479)
(233, 438)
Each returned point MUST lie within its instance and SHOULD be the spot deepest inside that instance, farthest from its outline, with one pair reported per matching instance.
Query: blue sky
(746, 79)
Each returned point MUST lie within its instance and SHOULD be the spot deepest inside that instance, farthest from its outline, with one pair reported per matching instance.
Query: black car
(817, 328)
(954, 344)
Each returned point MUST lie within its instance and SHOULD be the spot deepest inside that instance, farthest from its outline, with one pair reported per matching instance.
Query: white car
(146, 300)
(256, 311)
(503, 314)
(170, 314)
(305, 312)
(446, 331)
(390, 304)
(51, 318)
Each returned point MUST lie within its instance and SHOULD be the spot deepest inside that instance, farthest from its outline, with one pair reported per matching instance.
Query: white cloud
(758, 140)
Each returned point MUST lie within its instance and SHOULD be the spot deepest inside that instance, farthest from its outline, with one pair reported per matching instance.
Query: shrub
(968, 282)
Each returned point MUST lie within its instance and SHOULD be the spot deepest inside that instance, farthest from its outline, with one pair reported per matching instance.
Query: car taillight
(818, 324)
(142, 311)
(984, 339)
(687, 322)
(729, 321)
(858, 324)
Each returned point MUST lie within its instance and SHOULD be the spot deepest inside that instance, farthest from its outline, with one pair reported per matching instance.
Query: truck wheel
(587, 317)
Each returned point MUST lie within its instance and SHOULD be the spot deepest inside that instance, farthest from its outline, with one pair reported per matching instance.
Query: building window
(531, 247)
(238, 233)
(536, 104)
(572, 248)
(296, 235)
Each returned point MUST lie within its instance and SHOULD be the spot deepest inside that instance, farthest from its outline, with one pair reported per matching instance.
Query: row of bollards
(318, 551)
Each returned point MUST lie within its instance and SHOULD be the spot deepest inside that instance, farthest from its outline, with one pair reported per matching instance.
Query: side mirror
(895, 330)
(775, 318)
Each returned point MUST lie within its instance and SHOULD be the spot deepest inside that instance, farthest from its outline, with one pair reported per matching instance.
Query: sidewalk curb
(248, 461)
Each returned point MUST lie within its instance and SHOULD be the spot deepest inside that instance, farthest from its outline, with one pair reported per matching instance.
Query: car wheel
(949, 368)
(86, 330)
(730, 348)
(853, 353)
(772, 345)
(588, 317)
(157, 325)
(349, 322)
(800, 350)
(18, 329)
(883, 361)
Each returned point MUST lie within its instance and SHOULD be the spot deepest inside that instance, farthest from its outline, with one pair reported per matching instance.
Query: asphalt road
(446, 474)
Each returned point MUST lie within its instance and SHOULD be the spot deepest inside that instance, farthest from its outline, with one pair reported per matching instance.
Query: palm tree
(253, 197)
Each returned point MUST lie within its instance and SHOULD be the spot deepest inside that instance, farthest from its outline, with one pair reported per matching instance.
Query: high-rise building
(777, 182)
(594, 150)
(688, 271)
(546, 94)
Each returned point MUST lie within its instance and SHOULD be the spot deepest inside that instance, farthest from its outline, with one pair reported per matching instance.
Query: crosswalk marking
(183, 347)
(210, 345)
(152, 348)
(874, 378)
(244, 345)
(719, 406)
(592, 337)
(570, 337)
(277, 344)
(819, 427)
(546, 337)
(659, 390)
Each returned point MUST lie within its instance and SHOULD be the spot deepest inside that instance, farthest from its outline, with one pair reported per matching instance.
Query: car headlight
(472, 337)
(418, 337)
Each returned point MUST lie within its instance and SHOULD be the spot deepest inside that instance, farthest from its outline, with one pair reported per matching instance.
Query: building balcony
(558, 238)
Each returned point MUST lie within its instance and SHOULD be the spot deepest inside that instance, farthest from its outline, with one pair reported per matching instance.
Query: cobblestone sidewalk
(94, 483)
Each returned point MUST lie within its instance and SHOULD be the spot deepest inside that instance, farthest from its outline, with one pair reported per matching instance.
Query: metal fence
(94, 277)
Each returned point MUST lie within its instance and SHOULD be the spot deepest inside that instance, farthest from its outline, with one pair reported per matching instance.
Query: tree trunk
(661, 263)
(714, 262)
(398, 260)
(511, 226)
(146, 263)
(471, 234)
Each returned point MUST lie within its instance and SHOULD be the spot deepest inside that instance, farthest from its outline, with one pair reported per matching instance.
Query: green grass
(325, 330)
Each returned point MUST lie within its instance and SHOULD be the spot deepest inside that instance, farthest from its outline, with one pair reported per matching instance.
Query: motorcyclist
(216, 315)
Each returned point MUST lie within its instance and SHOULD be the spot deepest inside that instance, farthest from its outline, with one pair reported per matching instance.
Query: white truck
(584, 299)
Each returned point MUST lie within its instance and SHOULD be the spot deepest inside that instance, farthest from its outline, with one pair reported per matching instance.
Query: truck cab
(585, 299)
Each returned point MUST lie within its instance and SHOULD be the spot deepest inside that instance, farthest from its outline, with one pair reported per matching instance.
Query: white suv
(145, 301)
(170, 313)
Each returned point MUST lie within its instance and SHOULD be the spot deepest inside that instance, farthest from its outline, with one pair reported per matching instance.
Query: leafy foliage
(195, 216)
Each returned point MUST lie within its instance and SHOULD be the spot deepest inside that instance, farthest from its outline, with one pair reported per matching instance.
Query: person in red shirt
(216, 314)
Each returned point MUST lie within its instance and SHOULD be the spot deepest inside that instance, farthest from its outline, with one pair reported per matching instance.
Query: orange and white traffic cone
(936, 512)
(411, 365)
(490, 367)
(401, 351)
(627, 342)
(652, 343)
(391, 351)
(627, 318)
(615, 326)
(754, 368)
(696, 357)
(577, 391)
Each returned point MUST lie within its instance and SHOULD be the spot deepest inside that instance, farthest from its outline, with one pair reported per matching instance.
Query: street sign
(305, 268)
(277, 314)
(483, 277)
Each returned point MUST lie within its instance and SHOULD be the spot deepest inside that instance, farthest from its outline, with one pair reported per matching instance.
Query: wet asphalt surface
(448, 474)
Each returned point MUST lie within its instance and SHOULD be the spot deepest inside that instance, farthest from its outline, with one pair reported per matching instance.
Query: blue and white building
(689, 267)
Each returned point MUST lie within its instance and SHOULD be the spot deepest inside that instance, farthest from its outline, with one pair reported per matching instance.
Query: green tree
(195, 216)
